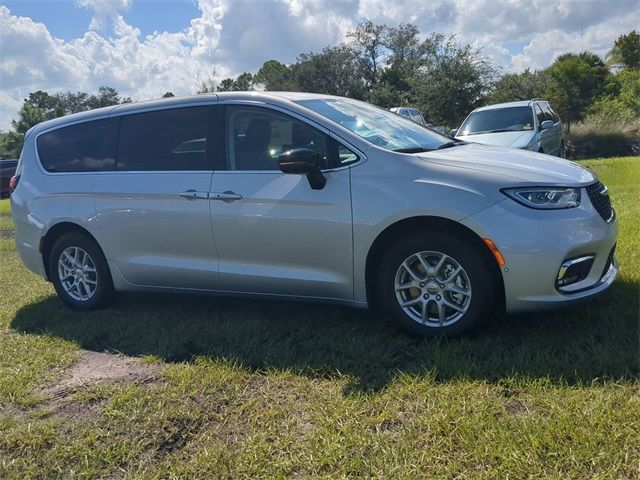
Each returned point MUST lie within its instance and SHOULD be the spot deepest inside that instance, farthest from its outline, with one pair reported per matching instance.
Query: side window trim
(549, 111)
(537, 110)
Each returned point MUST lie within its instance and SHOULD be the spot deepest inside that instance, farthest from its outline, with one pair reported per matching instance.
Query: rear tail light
(13, 183)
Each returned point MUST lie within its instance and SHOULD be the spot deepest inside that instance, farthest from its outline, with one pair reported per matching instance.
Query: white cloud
(105, 11)
(239, 35)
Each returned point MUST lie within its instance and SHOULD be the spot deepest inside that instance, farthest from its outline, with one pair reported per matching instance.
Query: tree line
(396, 66)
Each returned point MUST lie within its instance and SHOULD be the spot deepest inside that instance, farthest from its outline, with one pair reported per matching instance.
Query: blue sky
(66, 20)
(147, 47)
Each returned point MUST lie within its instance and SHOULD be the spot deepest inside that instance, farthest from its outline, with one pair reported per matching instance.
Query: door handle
(194, 195)
(227, 196)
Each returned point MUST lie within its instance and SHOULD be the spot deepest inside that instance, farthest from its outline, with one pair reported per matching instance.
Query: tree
(273, 75)
(243, 83)
(452, 81)
(575, 81)
(208, 84)
(626, 50)
(512, 87)
(619, 103)
(40, 106)
(368, 43)
(28, 116)
(334, 71)
(226, 85)
(106, 97)
(405, 49)
(403, 62)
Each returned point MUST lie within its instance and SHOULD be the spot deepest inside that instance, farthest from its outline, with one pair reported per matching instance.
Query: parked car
(306, 196)
(530, 125)
(410, 113)
(415, 115)
(7, 170)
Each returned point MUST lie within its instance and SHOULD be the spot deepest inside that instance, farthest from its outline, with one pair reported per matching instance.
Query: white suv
(531, 125)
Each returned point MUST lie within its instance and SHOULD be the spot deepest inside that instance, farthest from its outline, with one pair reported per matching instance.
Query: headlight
(545, 198)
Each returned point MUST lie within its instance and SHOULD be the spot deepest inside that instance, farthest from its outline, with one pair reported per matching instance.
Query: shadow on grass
(594, 341)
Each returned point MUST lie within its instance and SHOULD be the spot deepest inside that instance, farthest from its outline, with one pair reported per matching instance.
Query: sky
(144, 48)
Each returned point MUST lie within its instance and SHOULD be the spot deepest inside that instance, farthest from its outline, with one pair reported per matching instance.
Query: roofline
(281, 98)
(517, 103)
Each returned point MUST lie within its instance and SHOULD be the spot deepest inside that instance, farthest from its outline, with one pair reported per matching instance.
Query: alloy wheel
(433, 289)
(77, 273)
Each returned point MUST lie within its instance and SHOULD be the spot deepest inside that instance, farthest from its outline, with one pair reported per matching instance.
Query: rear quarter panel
(45, 199)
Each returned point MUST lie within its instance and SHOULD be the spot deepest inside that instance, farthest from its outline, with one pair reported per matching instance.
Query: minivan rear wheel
(80, 273)
(436, 284)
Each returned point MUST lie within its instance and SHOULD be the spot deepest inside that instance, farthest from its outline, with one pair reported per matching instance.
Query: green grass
(274, 389)
(5, 215)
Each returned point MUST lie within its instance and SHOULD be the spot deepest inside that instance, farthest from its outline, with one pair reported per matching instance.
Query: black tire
(104, 292)
(470, 257)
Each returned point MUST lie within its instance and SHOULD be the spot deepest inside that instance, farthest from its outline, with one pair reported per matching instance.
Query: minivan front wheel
(79, 272)
(435, 284)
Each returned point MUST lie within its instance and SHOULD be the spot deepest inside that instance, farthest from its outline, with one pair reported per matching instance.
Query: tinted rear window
(85, 147)
(174, 139)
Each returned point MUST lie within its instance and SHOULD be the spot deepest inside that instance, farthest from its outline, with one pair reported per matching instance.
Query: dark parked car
(7, 170)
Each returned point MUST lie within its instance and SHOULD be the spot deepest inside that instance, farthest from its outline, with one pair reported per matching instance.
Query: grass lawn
(245, 389)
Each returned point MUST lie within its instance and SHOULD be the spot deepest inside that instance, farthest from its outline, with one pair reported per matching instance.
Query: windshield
(510, 119)
(380, 127)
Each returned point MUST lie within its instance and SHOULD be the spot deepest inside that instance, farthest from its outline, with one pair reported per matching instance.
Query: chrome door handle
(227, 196)
(194, 195)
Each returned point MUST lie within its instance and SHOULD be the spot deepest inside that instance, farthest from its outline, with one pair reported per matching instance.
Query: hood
(523, 165)
(504, 139)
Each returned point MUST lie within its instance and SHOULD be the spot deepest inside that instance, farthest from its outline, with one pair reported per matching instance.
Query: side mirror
(303, 161)
(453, 132)
(546, 125)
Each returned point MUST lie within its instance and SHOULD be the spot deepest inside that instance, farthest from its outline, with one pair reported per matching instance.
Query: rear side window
(540, 114)
(549, 113)
(174, 139)
(84, 147)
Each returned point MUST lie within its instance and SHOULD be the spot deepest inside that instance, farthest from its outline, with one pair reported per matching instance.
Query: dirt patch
(7, 234)
(515, 407)
(92, 368)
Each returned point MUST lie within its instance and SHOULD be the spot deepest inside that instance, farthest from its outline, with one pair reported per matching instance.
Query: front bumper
(535, 244)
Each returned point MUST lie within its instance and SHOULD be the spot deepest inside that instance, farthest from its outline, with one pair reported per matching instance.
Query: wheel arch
(426, 223)
(54, 233)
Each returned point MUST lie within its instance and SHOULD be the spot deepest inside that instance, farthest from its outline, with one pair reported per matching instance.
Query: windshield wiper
(412, 150)
(497, 130)
(451, 144)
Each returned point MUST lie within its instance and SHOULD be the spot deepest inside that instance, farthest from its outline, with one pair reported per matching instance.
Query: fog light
(574, 270)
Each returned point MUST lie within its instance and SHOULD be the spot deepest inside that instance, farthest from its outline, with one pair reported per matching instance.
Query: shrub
(603, 140)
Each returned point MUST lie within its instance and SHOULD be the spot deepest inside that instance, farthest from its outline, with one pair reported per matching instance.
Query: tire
(461, 312)
(82, 281)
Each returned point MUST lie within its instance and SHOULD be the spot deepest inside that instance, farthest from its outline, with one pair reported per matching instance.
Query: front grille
(599, 196)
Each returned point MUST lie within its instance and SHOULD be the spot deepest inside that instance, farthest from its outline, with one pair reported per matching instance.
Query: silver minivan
(305, 196)
(530, 124)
